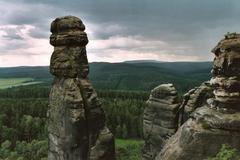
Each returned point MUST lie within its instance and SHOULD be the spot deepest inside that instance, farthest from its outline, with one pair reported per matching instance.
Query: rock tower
(226, 74)
(159, 119)
(218, 122)
(77, 129)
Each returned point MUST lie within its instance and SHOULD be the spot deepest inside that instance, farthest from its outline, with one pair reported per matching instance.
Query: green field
(13, 82)
(129, 149)
(128, 76)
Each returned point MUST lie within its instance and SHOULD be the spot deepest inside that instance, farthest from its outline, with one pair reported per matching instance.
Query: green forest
(123, 89)
(23, 123)
(133, 76)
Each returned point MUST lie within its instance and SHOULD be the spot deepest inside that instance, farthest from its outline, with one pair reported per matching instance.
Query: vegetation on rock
(227, 153)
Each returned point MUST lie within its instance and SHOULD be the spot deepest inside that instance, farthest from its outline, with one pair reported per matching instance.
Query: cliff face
(218, 121)
(159, 119)
(77, 129)
(226, 74)
(193, 99)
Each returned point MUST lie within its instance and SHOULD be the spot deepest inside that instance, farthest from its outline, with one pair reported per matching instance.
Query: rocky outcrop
(76, 129)
(154, 122)
(218, 122)
(159, 119)
(193, 99)
(226, 74)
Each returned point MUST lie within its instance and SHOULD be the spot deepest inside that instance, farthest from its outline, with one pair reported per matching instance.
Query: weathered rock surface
(202, 136)
(226, 73)
(193, 99)
(77, 129)
(216, 123)
(159, 119)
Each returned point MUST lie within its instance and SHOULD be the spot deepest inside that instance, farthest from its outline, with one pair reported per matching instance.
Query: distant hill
(143, 61)
(36, 72)
(128, 76)
(182, 67)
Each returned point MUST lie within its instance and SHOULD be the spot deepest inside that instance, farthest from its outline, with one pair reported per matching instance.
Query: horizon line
(128, 61)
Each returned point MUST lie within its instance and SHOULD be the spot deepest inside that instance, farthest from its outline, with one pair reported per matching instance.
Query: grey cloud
(154, 18)
(13, 45)
(38, 33)
(12, 34)
(18, 13)
(12, 39)
(198, 24)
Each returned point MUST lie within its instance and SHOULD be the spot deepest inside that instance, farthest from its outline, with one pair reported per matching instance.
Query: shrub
(227, 153)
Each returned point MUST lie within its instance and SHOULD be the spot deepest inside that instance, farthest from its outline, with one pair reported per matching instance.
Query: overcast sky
(118, 30)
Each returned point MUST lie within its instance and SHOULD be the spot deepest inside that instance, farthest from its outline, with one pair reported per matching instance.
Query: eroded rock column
(218, 122)
(159, 119)
(226, 74)
(77, 129)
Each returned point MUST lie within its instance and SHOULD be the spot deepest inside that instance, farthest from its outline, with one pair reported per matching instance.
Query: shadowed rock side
(194, 99)
(218, 122)
(76, 129)
(159, 119)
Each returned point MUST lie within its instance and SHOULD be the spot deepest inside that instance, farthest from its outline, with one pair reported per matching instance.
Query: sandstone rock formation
(218, 122)
(77, 129)
(159, 119)
(193, 99)
(226, 74)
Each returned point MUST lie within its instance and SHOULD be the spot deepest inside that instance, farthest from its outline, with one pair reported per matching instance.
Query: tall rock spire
(226, 74)
(217, 122)
(76, 129)
(159, 119)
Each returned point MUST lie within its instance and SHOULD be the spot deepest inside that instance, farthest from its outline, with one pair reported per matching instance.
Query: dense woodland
(23, 123)
(122, 87)
(132, 76)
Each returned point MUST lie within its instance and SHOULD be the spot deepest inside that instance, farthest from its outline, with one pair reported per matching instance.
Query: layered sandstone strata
(76, 128)
(159, 119)
(226, 74)
(193, 99)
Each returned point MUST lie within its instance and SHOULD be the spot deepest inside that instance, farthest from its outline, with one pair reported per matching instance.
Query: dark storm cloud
(154, 18)
(167, 14)
(196, 24)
